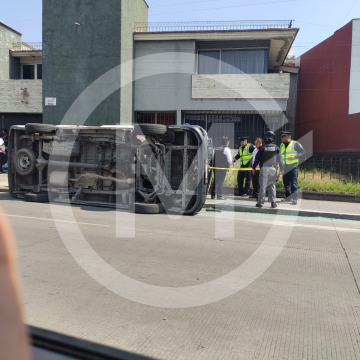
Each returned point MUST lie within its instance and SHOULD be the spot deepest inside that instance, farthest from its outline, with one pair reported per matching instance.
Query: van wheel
(25, 162)
(145, 208)
(39, 128)
(149, 129)
(42, 197)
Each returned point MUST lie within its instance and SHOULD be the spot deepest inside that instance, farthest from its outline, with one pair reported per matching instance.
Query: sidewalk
(306, 208)
(4, 182)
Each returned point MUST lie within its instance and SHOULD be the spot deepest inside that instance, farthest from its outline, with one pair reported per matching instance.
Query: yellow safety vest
(287, 152)
(245, 155)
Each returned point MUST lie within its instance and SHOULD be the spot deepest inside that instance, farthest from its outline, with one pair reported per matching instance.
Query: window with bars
(163, 118)
(231, 125)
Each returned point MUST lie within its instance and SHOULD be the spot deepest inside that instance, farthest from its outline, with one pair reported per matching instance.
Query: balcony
(23, 49)
(212, 26)
(241, 86)
(23, 46)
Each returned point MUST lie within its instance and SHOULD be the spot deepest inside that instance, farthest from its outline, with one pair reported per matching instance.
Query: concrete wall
(7, 37)
(21, 96)
(74, 56)
(246, 86)
(132, 11)
(354, 95)
(292, 102)
(163, 75)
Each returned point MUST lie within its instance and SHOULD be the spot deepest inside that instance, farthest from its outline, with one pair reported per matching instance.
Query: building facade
(230, 80)
(82, 42)
(329, 93)
(20, 79)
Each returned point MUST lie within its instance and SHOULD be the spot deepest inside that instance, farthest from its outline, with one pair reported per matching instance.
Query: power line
(224, 7)
(13, 22)
(193, 2)
(348, 12)
(303, 22)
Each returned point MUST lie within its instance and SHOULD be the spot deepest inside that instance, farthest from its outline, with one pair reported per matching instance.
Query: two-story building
(20, 79)
(228, 77)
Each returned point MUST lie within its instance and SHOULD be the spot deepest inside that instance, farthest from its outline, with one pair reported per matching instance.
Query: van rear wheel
(147, 208)
(25, 162)
(42, 197)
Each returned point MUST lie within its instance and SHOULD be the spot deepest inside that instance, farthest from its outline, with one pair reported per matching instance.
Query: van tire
(147, 208)
(39, 128)
(25, 162)
(41, 198)
(149, 129)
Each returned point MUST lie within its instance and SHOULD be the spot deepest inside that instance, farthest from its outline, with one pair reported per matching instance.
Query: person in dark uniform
(222, 159)
(291, 152)
(255, 177)
(245, 156)
(269, 156)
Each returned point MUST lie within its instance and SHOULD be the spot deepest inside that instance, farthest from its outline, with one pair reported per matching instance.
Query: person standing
(222, 160)
(245, 155)
(3, 155)
(291, 152)
(255, 177)
(269, 156)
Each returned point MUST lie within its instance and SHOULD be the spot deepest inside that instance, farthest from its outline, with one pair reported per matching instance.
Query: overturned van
(146, 168)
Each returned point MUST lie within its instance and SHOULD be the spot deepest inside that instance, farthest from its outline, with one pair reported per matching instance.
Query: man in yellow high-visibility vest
(291, 152)
(245, 155)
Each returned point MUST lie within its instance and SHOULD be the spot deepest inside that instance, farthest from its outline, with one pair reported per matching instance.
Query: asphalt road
(305, 305)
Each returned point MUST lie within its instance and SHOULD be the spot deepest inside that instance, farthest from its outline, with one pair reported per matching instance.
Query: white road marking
(287, 224)
(64, 221)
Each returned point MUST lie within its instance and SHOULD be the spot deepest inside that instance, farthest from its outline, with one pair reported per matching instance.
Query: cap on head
(286, 133)
(243, 138)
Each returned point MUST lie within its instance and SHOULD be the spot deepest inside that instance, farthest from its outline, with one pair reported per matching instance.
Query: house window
(31, 71)
(233, 61)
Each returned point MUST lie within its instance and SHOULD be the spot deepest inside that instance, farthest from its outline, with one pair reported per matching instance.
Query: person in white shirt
(255, 178)
(2, 153)
(223, 160)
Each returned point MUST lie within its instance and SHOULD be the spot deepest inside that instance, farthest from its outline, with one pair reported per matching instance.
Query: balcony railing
(23, 46)
(212, 25)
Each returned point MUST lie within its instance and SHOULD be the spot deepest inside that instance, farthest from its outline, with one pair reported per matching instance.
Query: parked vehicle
(147, 168)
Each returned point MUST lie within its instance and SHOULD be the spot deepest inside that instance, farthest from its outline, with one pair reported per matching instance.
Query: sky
(317, 20)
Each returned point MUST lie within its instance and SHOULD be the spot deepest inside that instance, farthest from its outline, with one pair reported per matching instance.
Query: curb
(308, 195)
(4, 190)
(287, 212)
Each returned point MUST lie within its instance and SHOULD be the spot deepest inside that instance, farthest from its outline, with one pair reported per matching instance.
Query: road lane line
(64, 221)
(284, 223)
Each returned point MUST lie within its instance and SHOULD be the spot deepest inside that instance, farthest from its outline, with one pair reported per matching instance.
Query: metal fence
(23, 46)
(319, 175)
(212, 25)
(330, 175)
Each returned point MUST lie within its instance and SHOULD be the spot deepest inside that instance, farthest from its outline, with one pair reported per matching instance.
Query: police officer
(245, 156)
(268, 157)
(222, 160)
(291, 152)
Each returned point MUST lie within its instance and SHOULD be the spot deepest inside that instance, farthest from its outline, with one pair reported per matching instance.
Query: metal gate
(231, 125)
(236, 125)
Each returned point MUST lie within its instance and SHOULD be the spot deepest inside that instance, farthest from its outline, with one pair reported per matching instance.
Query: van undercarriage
(146, 168)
